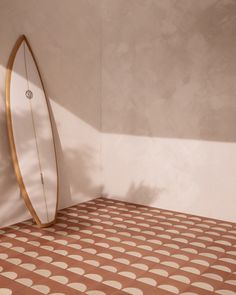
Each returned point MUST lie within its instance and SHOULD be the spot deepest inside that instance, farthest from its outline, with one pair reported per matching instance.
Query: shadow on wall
(139, 193)
(63, 182)
(8, 183)
(143, 193)
(66, 45)
(81, 179)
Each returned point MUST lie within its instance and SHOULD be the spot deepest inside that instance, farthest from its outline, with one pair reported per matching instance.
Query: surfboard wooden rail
(13, 147)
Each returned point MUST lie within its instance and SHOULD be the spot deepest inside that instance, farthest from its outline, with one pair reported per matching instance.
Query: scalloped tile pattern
(106, 246)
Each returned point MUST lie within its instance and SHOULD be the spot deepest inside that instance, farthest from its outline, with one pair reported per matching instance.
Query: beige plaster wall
(169, 104)
(160, 74)
(65, 37)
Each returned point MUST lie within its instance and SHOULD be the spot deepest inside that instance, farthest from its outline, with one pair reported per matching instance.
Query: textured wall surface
(169, 104)
(65, 39)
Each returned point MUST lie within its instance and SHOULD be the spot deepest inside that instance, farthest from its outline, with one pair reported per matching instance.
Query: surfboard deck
(30, 133)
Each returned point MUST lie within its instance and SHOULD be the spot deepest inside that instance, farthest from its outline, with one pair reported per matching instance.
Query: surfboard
(30, 132)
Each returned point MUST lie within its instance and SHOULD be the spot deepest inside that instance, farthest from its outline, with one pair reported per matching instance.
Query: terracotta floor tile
(106, 246)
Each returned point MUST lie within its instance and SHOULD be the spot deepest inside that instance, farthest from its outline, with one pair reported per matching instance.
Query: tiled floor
(110, 247)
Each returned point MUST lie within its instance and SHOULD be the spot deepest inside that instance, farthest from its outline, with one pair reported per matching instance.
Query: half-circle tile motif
(229, 260)
(223, 242)
(181, 278)
(169, 288)
(170, 263)
(109, 268)
(122, 260)
(155, 241)
(105, 255)
(145, 247)
(41, 288)
(86, 240)
(89, 250)
(210, 255)
(104, 245)
(28, 266)
(77, 270)
(25, 281)
(225, 292)
(95, 292)
(123, 233)
(60, 279)
(140, 266)
(94, 277)
(190, 250)
(203, 285)
(15, 261)
(216, 248)
(46, 259)
(221, 267)
(160, 272)
(127, 274)
(133, 291)
(152, 258)
(231, 282)
(78, 286)
(191, 269)
(48, 248)
(200, 261)
(10, 275)
(181, 256)
(118, 249)
(62, 242)
(3, 256)
(213, 276)
(92, 262)
(60, 264)
(19, 249)
(115, 239)
(5, 291)
(134, 253)
(198, 244)
(76, 257)
(113, 284)
(49, 238)
(130, 243)
(75, 246)
(43, 272)
(148, 281)
(36, 234)
(162, 252)
(173, 246)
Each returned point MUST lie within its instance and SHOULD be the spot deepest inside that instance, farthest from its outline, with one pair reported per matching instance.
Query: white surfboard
(31, 135)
